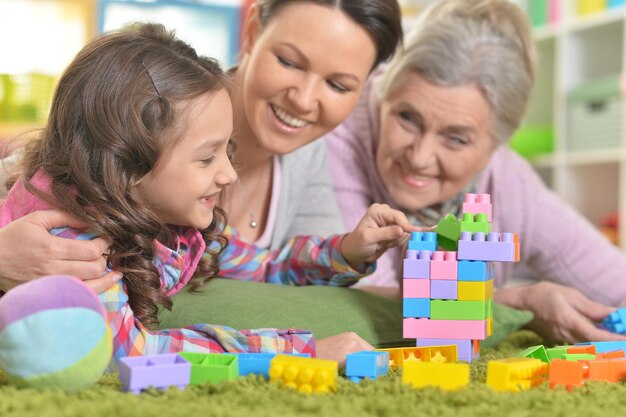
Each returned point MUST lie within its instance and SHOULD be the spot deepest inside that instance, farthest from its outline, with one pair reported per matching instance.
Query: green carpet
(254, 397)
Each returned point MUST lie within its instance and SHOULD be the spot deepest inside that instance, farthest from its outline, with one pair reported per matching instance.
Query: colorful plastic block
(566, 373)
(474, 271)
(430, 353)
(443, 289)
(417, 264)
(613, 354)
(255, 363)
(416, 307)
(211, 367)
(444, 329)
(516, 374)
(366, 364)
(306, 375)
(459, 310)
(423, 241)
(443, 265)
(447, 376)
(490, 247)
(477, 203)
(535, 352)
(474, 290)
(467, 350)
(475, 223)
(137, 373)
(577, 349)
(578, 357)
(602, 347)
(416, 288)
(616, 321)
(557, 352)
(448, 232)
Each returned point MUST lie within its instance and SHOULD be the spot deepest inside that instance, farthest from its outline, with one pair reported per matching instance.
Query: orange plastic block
(618, 370)
(580, 349)
(516, 374)
(613, 354)
(398, 356)
(447, 376)
(567, 373)
(306, 375)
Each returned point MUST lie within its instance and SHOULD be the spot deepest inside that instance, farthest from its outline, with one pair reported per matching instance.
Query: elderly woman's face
(433, 140)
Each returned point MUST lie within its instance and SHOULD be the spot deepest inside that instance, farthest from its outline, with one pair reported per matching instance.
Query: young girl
(137, 148)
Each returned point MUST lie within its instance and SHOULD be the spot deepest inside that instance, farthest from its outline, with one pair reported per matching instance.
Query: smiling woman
(433, 125)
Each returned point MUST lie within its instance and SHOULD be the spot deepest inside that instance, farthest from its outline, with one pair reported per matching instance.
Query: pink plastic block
(444, 329)
(443, 265)
(416, 288)
(443, 289)
(477, 203)
(495, 248)
(417, 264)
(553, 11)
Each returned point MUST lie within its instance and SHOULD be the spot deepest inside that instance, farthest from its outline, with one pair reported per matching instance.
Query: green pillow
(326, 311)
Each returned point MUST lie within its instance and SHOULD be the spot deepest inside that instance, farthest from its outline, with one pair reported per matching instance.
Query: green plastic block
(469, 223)
(460, 310)
(535, 352)
(448, 232)
(579, 357)
(558, 352)
(211, 367)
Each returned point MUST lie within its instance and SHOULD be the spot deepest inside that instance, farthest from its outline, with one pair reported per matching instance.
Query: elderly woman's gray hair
(486, 43)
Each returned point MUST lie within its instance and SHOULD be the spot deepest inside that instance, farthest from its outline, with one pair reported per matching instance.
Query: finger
(55, 218)
(78, 250)
(591, 309)
(103, 283)
(384, 215)
(593, 334)
(78, 269)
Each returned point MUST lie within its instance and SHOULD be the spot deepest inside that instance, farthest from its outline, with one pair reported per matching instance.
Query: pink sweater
(557, 243)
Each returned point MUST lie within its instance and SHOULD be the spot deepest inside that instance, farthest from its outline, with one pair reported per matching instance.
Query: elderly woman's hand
(562, 314)
(28, 251)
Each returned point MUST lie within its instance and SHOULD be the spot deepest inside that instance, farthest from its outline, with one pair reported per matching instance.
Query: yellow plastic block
(475, 290)
(306, 375)
(447, 376)
(489, 325)
(516, 374)
(398, 356)
(586, 7)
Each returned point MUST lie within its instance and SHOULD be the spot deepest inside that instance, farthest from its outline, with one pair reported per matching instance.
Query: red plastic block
(477, 203)
(443, 265)
(494, 248)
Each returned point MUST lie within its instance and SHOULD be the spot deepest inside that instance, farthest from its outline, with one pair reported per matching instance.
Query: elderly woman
(434, 126)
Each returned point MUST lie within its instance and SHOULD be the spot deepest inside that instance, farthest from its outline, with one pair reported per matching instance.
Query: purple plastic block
(137, 373)
(464, 347)
(443, 289)
(417, 264)
(492, 249)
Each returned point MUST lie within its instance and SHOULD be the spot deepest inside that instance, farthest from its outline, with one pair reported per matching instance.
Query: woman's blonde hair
(487, 43)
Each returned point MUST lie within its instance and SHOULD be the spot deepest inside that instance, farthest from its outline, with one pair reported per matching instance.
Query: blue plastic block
(423, 241)
(366, 364)
(616, 321)
(259, 363)
(602, 347)
(474, 271)
(616, 3)
(416, 307)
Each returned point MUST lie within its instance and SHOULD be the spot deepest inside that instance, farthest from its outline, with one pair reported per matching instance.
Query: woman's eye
(405, 116)
(208, 161)
(457, 140)
(337, 87)
(286, 63)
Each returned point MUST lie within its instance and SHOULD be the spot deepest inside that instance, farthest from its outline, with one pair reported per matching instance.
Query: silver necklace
(253, 224)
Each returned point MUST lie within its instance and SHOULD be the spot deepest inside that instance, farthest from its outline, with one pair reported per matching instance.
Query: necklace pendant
(253, 224)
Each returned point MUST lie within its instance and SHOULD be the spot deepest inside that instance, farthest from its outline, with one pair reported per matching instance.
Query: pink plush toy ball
(54, 333)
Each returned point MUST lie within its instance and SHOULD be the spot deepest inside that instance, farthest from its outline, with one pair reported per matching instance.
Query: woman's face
(302, 74)
(433, 140)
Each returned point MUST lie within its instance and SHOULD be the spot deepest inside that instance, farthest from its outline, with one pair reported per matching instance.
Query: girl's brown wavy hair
(113, 115)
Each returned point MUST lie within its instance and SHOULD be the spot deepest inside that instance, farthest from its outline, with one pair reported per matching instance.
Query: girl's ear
(251, 28)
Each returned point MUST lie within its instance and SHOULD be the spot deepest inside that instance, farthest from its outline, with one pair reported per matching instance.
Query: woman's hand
(337, 347)
(29, 251)
(562, 314)
(380, 229)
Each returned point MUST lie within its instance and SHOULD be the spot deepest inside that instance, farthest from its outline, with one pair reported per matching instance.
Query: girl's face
(184, 187)
(302, 74)
(433, 140)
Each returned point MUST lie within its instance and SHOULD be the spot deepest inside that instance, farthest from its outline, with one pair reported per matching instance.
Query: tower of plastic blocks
(448, 295)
